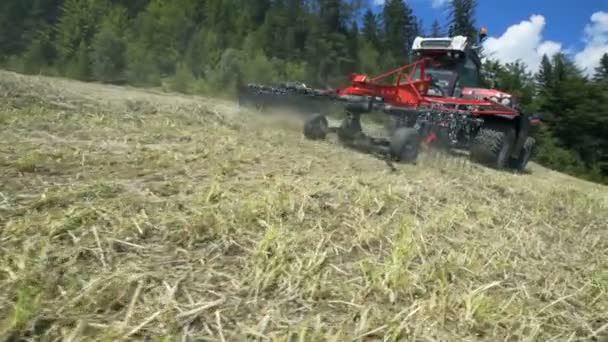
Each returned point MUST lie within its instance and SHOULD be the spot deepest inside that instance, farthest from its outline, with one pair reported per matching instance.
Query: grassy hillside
(130, 214)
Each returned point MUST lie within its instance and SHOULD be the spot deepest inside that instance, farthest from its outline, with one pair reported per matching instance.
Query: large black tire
(493, 144)
(520, 163)
(316, 127)
(405, 144)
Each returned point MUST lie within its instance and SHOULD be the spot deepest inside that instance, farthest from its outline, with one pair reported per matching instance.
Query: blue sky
(525, 29)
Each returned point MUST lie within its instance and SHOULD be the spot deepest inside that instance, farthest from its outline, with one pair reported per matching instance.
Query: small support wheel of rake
(405, 144)
(316, 127)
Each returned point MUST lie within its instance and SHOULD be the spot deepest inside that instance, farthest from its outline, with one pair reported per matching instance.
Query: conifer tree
(601, 71)
(371, 30)
(400, 28)
(462, 18)
(436, 30)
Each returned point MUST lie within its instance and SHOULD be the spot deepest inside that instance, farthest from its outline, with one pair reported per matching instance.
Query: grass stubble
(129, 214)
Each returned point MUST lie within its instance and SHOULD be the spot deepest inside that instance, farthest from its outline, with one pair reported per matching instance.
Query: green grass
(131, 214)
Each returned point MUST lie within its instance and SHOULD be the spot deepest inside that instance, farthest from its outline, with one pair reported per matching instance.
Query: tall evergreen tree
(545, 73)
(133, 7)
(297, 30)
(436, 30)
(109, 46)
(77, 26)
(163, 30)
(371, 30)
(353, 47)
(419, 29)
(13, 18)
(601, 71)
(333, 16)
(256, 12)
(517, 80)
(273, 31)
(462, 18)
(400, 28)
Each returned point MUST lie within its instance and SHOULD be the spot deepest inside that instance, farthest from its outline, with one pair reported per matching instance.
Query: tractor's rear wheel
(522, 160)
(316, 127)
(493, 144)
(405, 144)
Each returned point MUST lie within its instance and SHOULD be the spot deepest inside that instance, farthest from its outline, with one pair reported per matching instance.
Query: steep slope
(129, 213)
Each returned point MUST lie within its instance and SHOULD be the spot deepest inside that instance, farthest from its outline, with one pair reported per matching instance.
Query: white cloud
(438, 3)
(523, 41)
(596, 42)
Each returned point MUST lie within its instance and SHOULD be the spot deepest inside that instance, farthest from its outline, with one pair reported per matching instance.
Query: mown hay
(129, 214)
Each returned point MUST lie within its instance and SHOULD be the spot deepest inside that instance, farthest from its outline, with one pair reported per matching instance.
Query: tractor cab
(454, 65)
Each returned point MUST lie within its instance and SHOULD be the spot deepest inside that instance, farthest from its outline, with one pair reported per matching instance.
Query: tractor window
(469, 76)
(444, 73)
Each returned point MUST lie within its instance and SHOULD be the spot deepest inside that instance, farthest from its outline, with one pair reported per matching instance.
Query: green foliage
(141, 67)
(577, 109)
(183, 79)
(400, 28)
(203, 51)
(33, 60)
(296, 71)
(80, 66)
(225, 76)
(371, 29)
(108, 56)
(77, 25)
(259, 69)
(551, 154)
(369, 58)
(517, 80)
(601, 72)
(462, 18)
(162, 30)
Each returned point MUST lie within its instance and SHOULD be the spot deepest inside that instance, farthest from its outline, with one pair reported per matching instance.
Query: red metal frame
(410, 93)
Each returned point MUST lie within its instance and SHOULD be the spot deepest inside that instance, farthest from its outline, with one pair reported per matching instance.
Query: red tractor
(436, 100)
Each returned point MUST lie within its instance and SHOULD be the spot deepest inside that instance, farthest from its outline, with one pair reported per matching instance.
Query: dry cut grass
(128, 215)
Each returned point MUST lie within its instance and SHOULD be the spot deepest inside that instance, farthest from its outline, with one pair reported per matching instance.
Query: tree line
(210, 46)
